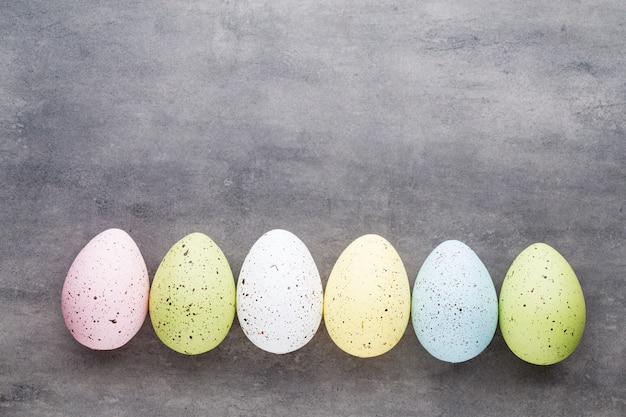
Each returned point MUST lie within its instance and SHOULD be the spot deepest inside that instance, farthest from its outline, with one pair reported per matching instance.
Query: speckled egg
(542, 307)
(454, 303)
(192, 299)
(367, 302)
(279, 293)
(105, 294)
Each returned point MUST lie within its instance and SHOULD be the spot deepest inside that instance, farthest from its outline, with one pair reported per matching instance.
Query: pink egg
(105, 293)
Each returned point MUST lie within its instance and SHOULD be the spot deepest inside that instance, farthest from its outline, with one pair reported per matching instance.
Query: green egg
(542, 309)
(192, 298)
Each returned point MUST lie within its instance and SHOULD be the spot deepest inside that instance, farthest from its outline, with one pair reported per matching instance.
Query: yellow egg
(542, 308)
(367, 302)
(192, 298)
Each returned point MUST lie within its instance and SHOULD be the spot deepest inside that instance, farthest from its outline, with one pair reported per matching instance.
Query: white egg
(279, 293)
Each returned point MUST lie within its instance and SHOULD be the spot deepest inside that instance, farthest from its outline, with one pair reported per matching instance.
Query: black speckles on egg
(279, 293)
(192, 300)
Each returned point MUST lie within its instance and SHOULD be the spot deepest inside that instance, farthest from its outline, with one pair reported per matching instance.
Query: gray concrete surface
(498, 123)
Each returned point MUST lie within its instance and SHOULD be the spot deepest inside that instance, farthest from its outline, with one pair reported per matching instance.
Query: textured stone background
(498, 123)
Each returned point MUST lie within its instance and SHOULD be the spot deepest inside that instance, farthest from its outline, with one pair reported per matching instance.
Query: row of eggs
(366, 305)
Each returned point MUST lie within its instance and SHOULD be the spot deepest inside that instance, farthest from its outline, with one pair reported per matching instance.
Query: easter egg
(367, 301)
(542, 307)
(192, 298)
(105, 294)
(454, 303)
(279, 293)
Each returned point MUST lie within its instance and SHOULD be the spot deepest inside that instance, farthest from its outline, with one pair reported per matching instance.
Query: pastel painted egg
(105, 294)
(279, 293)
(542, 307)
(192, 299)
(367, 302)
(454, 303)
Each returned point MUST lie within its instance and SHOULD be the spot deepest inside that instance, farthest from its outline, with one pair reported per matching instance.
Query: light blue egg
(454, 307)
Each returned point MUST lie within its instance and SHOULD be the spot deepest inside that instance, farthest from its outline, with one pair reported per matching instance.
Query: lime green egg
(192, 298)
(542, 309)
